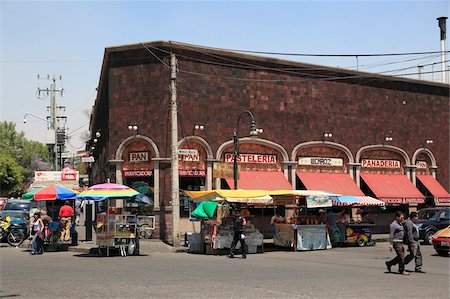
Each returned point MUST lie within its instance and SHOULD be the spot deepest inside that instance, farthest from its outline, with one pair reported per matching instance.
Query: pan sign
(189, 155)
(421, 165)
(380, 163)
(139, 157)
(320, 161)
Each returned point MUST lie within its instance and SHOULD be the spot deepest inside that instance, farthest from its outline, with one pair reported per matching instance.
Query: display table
(312, 237)
(116, 230)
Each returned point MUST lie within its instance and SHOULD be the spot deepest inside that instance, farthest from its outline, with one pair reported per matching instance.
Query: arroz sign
(319, 161)
(380, 163)
(139, 157)
(252, 158)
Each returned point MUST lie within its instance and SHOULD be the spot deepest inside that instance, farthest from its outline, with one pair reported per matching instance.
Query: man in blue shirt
(396, 237)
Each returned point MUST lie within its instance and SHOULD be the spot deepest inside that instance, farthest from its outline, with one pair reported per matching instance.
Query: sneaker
(32, 253)
(403, 273)
(244, 256)
(420, 271)
(231, 256)
(388, 267)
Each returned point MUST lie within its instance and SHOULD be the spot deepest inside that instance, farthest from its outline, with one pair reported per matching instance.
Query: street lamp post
(253, 134)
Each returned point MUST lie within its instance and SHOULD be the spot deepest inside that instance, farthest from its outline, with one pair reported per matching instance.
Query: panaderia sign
(252, 158)
(371, 163)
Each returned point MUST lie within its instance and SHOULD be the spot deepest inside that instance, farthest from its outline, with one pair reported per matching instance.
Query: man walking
(396, 239)
(239, 223)
(412, 240)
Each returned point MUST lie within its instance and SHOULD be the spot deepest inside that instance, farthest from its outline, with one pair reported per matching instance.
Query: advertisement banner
(318, 201)
(136, 173)
(68, 174)
(312, 237)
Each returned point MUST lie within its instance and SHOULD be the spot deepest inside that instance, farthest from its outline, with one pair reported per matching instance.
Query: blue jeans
(37, 245)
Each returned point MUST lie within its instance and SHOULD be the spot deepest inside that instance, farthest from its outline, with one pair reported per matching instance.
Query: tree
(20, 158)
(10, 176)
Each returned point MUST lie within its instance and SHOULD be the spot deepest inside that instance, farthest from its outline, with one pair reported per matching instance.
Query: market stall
(115, 227)
(355, 230)
(53, 198)
(216, 232)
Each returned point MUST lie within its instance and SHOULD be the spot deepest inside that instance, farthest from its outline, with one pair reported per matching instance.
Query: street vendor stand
(217, 233)
(54, 194)
(116, 228)
(357, 232)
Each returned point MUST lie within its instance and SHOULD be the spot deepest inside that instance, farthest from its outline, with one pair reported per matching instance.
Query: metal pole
(235, 157)
(175, 186)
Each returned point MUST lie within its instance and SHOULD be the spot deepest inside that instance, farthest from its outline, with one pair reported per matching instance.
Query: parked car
(427, 228)
(427, 213)
(441, 241)
(18, 204)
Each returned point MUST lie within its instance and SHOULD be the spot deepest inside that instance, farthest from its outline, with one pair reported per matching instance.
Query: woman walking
(38, 235)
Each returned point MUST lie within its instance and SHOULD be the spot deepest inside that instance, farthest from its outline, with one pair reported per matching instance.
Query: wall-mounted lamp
(326, 135)
(387, 139)
(97, 134)
(133, 128)
(197, 128)
(428, 142)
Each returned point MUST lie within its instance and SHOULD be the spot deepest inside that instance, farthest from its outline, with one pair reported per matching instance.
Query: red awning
(393, 188)
(441, 196)
(261, 180)
(339, 183)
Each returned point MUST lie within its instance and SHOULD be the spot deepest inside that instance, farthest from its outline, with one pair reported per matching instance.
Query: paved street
(338, 273)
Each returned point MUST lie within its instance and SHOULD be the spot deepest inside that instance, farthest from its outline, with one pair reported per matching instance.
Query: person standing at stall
(412, 240)
(239, 224)
(65, 216)
(396, 239)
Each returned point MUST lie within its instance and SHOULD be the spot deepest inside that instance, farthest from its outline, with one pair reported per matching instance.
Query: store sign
(136, 173)
(192, 173)
(380, 163)
(319, 161)
(252, 158)
(402, 200)
(442, 200)
(139, 157)
(224, 170)
(188, 155)
(69, 175)
(283, 200)
(421, 165)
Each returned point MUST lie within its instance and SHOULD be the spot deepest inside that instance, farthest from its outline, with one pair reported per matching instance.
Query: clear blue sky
(68, 39)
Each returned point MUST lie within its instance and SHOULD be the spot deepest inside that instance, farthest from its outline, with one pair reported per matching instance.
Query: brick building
(294, 103)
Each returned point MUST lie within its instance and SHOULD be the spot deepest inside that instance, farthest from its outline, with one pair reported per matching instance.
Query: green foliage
(19, 159)
(10, 176)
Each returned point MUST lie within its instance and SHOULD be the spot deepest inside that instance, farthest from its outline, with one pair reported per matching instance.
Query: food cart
(356, 231)
(115, 227)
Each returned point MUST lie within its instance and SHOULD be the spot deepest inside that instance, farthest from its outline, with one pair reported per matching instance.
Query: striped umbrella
(53, 193)
(107, 190)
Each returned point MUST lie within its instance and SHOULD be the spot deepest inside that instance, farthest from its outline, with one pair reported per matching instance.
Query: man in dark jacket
(412, 240)
(239, 223)
(396, 239)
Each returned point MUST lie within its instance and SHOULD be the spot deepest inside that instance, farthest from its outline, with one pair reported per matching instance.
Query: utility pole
(175, 185)
(52, 133)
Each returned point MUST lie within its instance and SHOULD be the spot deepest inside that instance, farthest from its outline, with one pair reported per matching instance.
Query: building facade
(315, 119)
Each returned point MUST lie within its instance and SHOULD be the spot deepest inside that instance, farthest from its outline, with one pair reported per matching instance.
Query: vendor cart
(116, 230)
